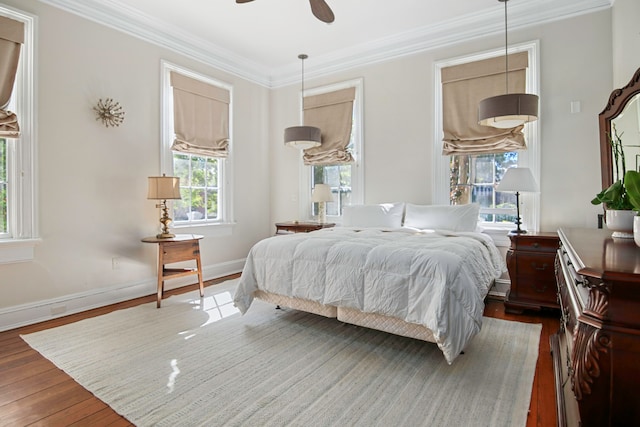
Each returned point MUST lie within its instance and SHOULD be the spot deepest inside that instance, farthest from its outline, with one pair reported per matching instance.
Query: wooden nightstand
(531, 264)
(300, 226)
(182, 247)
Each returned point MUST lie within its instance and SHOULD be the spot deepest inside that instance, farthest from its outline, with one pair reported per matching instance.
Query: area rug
(198, 362)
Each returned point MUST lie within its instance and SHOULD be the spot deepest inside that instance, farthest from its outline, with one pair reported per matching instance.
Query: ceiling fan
(319, 8)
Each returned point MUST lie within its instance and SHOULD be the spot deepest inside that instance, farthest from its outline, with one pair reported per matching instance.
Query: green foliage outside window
(198, 187)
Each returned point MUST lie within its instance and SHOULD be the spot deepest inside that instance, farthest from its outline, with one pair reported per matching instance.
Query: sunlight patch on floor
(172, 377)
(217, 306)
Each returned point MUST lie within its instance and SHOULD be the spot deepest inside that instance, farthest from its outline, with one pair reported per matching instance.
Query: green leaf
(632, 185)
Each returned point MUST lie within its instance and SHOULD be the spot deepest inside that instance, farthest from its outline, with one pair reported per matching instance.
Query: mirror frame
(618, 99)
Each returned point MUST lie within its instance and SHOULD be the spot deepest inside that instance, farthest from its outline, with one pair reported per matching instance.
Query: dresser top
(597, 254)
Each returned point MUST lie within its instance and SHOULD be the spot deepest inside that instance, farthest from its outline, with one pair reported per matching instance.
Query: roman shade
(463, 87)
(11, 40)
(201, 117)
(333, 113)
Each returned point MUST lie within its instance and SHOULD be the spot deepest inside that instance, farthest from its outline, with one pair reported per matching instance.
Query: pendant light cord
(302, 57)
(506, 49)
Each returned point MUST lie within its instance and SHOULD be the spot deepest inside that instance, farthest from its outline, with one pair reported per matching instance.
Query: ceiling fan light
(508, 111)
(302, 137)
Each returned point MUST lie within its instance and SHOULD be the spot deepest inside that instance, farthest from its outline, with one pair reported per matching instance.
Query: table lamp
(164, 188)
(517, 180)
(321, 194)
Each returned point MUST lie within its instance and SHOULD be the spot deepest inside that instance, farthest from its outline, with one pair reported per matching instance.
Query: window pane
(338, 177)
(212, 172)
(181, 168)
(198, 171)
(212, 204)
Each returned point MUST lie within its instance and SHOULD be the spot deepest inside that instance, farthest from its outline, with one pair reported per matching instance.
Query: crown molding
(116, 15)
(120, 17)
(447, 33)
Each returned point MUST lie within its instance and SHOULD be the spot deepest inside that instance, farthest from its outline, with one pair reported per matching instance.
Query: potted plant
(632, 185)
(619, 214)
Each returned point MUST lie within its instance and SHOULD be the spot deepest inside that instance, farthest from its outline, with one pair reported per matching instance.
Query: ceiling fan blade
(243, 1)
(322, 11)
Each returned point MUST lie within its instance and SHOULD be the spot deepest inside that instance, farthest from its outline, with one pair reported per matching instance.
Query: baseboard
(40, 311)
(499, 289)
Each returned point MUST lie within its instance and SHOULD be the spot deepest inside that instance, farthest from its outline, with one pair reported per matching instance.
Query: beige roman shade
(463, 87)
(333, 114)
(11, 40)
(201, 117)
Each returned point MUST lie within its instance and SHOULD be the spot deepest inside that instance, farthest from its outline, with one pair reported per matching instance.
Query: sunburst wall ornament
(109, 112)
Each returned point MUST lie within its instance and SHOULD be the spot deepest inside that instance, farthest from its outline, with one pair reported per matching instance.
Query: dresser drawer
(538, 291)
(536, 267)
(539, 244)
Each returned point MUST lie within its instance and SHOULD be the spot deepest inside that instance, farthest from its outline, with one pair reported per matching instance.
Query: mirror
(623, 112)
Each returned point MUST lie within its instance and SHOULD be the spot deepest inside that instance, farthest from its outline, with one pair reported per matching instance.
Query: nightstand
(531, 264)
(182, 247)
(300, 226)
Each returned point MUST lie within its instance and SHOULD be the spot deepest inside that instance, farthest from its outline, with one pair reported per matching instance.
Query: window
(205, 184)
(345, 180)
(18, 214)
(474, 179)
(198, 188)
(463, 179)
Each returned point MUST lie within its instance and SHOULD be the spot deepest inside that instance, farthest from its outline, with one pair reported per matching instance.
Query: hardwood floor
(33, 392)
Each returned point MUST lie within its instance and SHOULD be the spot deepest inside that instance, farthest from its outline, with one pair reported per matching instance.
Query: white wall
(626, 40)
(92, 180)
(575, 58)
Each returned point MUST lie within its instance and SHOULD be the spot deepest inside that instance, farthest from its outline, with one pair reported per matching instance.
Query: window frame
(305, 207)
(222, 225)
(22, 237)
(526, 158)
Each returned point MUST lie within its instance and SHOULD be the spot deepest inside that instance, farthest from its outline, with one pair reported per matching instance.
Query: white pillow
(385, 215)
(442, 217)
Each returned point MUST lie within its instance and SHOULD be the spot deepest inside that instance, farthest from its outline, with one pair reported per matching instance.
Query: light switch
(576, 107)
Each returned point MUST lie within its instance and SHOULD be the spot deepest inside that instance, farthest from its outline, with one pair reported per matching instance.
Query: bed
(406, 270)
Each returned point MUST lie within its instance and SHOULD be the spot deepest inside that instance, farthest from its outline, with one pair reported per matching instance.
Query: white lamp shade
(321, 193)
(164, 188)
(518, 180)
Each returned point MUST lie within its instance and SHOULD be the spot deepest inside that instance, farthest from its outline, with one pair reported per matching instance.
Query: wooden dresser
(596, 352)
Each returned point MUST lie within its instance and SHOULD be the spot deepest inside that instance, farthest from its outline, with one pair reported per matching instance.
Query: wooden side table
(301, 226)
(531, 264)
(182, 247)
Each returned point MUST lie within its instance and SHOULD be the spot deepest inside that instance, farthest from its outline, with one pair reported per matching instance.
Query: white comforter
(435, 279)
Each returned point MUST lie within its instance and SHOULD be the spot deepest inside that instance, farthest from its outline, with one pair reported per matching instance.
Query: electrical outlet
(115, 263)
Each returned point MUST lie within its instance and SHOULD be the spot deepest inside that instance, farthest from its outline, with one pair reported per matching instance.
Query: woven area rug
(198, 362)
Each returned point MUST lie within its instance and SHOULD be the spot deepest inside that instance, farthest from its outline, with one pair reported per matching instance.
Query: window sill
(207, 230)
(17, 250)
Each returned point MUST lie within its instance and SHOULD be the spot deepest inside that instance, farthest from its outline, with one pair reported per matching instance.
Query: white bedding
(435, 279)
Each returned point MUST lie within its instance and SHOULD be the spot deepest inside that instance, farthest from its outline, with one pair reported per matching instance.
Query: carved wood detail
(589, 344)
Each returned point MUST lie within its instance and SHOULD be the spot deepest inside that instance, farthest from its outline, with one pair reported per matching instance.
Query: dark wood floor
(33, 392)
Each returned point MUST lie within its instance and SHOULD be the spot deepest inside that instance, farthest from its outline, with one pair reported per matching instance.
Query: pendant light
(302, 137)
(512, 109)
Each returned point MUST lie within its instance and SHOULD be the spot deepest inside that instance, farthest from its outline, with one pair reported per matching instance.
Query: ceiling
(261, 40)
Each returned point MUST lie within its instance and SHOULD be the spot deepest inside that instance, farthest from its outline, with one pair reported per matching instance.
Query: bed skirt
(353, 316)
